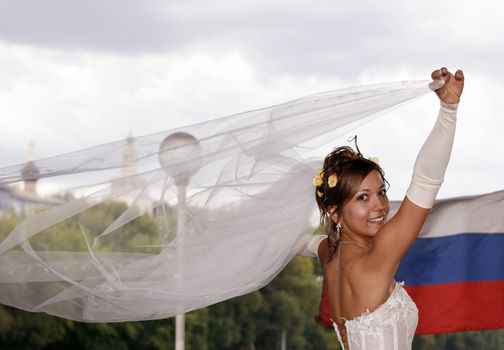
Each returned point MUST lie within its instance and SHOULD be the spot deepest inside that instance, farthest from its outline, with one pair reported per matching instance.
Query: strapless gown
(391, 326)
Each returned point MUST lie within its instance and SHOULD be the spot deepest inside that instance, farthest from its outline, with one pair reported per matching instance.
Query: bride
(362, 249)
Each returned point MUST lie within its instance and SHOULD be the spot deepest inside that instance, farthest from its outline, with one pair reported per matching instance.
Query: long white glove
(432, 160)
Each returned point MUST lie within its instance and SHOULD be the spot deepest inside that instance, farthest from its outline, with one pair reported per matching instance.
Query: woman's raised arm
(396, 237)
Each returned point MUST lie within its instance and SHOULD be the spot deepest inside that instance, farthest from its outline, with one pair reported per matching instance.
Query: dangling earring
(338, 231)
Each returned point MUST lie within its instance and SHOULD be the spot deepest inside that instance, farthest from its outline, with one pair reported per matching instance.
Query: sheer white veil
(230, 200)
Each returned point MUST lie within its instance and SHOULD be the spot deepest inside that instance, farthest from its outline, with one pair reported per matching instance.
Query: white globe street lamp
(180, 157)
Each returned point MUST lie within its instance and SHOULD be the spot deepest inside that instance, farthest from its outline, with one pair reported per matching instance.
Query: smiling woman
(361, 252)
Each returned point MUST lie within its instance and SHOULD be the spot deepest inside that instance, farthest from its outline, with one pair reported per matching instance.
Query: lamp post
(179, 156)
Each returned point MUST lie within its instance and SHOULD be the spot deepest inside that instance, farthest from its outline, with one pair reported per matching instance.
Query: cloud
(284, 37)
(92, 98)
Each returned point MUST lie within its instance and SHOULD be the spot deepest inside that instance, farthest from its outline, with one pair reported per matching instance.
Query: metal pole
(180, 319)
(283, 345)
(180, 332)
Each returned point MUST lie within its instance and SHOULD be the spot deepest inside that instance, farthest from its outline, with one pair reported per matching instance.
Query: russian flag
(455, 270)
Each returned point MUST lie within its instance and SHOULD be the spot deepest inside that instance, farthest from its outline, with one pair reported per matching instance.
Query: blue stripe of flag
(468, 257)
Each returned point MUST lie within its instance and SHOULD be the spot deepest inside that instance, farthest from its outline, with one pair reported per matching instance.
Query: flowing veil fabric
(231, 200)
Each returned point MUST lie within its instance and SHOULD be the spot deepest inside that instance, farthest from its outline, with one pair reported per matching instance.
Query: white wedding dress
(391, 325)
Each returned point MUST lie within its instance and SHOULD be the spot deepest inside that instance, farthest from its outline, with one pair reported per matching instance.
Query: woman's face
(367, 210)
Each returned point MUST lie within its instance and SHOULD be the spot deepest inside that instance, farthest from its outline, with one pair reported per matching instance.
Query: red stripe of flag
(456, 307)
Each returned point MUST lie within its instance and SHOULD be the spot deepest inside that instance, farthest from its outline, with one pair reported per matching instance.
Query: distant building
(14, 200)
(30, 174)
(131, 184)
(23, 198)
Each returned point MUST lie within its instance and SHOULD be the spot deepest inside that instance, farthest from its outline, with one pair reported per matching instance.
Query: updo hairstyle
(347, 168)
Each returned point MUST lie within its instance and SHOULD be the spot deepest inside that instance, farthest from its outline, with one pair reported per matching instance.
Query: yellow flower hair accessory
(320, 194)
(375, 160)
(332, 180)
(317, 180)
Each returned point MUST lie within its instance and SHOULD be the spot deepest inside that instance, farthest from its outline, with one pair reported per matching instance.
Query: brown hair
(350, 168)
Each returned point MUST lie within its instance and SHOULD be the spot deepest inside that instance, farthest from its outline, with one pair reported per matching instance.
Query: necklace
(354, 243)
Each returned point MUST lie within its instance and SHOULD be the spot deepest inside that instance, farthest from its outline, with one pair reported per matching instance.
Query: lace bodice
(391, 325)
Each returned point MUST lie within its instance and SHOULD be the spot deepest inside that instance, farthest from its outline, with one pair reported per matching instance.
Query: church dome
(30, 172)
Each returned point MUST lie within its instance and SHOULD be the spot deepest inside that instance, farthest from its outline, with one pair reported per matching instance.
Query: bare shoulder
(323, 251)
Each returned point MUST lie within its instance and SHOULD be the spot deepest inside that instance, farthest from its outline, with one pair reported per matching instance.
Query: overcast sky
(74, 74)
